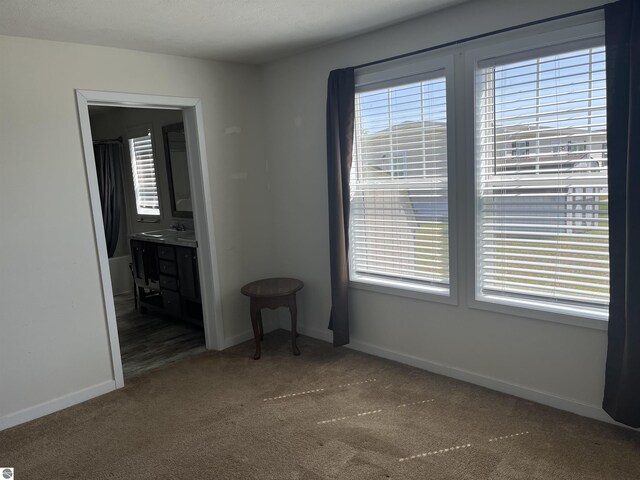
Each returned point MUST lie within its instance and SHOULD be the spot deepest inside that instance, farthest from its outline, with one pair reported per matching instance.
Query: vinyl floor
(149, 341)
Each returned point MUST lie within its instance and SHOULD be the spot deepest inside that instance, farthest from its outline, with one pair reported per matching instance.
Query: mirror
(175, 152)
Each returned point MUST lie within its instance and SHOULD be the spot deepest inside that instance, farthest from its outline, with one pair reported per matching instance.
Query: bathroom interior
(143, 180)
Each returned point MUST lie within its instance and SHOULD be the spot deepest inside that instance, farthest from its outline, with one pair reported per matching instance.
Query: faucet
(180, 227)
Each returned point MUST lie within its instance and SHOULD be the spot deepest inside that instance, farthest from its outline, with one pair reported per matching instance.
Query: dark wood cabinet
(187, 263)
(145, 263)
(166, 277)
(167, 267)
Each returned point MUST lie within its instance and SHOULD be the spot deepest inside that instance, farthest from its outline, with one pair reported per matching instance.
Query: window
(144, 175)
(520, 148)
(541, 179)
(399, 228)
(537, 176)
(577, 147)
(399, 165)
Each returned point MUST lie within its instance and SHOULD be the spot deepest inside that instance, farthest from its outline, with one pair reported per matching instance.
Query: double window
(537, 218)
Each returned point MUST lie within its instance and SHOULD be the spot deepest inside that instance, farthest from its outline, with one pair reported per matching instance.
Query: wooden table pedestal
(272, 293)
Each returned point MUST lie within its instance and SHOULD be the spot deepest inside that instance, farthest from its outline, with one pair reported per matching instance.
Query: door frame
(201, 200)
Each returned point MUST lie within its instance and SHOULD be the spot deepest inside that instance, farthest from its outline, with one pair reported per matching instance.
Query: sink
(160, 233)
(169, 236)
(166, 233)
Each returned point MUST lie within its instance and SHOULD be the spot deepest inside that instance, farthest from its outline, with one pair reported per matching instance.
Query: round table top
(272, 287)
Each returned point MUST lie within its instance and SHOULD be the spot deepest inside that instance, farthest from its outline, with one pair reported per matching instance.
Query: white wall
(53, 334)
(556, 364)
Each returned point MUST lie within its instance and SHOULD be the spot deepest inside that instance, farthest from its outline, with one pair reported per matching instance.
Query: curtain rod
(482, 35)
(109, 140)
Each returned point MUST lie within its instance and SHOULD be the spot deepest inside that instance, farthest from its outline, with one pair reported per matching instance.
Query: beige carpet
(328, 414)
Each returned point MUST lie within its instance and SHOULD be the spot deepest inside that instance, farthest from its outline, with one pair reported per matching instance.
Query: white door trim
(202, 209)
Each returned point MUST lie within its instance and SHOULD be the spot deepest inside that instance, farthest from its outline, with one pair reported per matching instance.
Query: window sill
(417, 292)
(586, 319)
(148, 220)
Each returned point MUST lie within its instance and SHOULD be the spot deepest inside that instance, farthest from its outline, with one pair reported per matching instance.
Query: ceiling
(249, 31)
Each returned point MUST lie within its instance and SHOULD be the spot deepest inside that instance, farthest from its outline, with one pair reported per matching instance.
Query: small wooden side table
(272, 293)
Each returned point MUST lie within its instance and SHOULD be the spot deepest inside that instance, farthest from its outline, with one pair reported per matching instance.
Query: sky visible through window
(407, 103)
(539, 86)
(516, 84)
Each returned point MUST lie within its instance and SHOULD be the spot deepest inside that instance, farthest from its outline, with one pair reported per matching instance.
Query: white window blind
(144, 175)
(399, 205)
(541, 179)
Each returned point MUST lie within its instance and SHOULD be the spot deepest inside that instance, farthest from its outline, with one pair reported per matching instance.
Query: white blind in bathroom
(144, 175)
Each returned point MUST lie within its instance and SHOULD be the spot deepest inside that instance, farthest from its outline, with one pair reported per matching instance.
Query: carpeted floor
(328, 414)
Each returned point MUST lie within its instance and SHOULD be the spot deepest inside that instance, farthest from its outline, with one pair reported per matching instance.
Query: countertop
(185, 238)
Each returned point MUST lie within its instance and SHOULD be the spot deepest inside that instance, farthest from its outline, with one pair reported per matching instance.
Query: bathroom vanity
(165, 270)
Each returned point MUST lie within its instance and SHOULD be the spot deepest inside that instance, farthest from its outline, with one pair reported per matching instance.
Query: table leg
(255, 313)
(293, 308)
(260, 325)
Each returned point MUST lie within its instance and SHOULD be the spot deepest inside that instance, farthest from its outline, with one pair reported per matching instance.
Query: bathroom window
(143, 170)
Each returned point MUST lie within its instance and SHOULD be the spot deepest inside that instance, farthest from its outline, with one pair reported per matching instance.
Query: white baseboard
(269, 326)
(528, 393)
(236, 339)
(545, 398)
(51, 406)
(324, 335)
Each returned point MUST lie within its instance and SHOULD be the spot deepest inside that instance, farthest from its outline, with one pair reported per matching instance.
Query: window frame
(462, 60)
(591, 28)
(397, 73)
(137, 132)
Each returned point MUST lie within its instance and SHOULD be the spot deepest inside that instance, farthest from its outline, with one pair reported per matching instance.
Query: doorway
(157, 261)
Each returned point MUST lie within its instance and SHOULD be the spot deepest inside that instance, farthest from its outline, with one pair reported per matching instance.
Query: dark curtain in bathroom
(622, 378)
(108, 168)
(340, 126)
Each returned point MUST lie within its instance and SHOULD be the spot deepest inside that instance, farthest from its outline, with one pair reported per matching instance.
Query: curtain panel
(622, 378)
(107, 157)
(340, 125)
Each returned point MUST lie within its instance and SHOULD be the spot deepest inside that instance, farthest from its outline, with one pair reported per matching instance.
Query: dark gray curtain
(340, 114)
(109, 183)
(622, 381)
